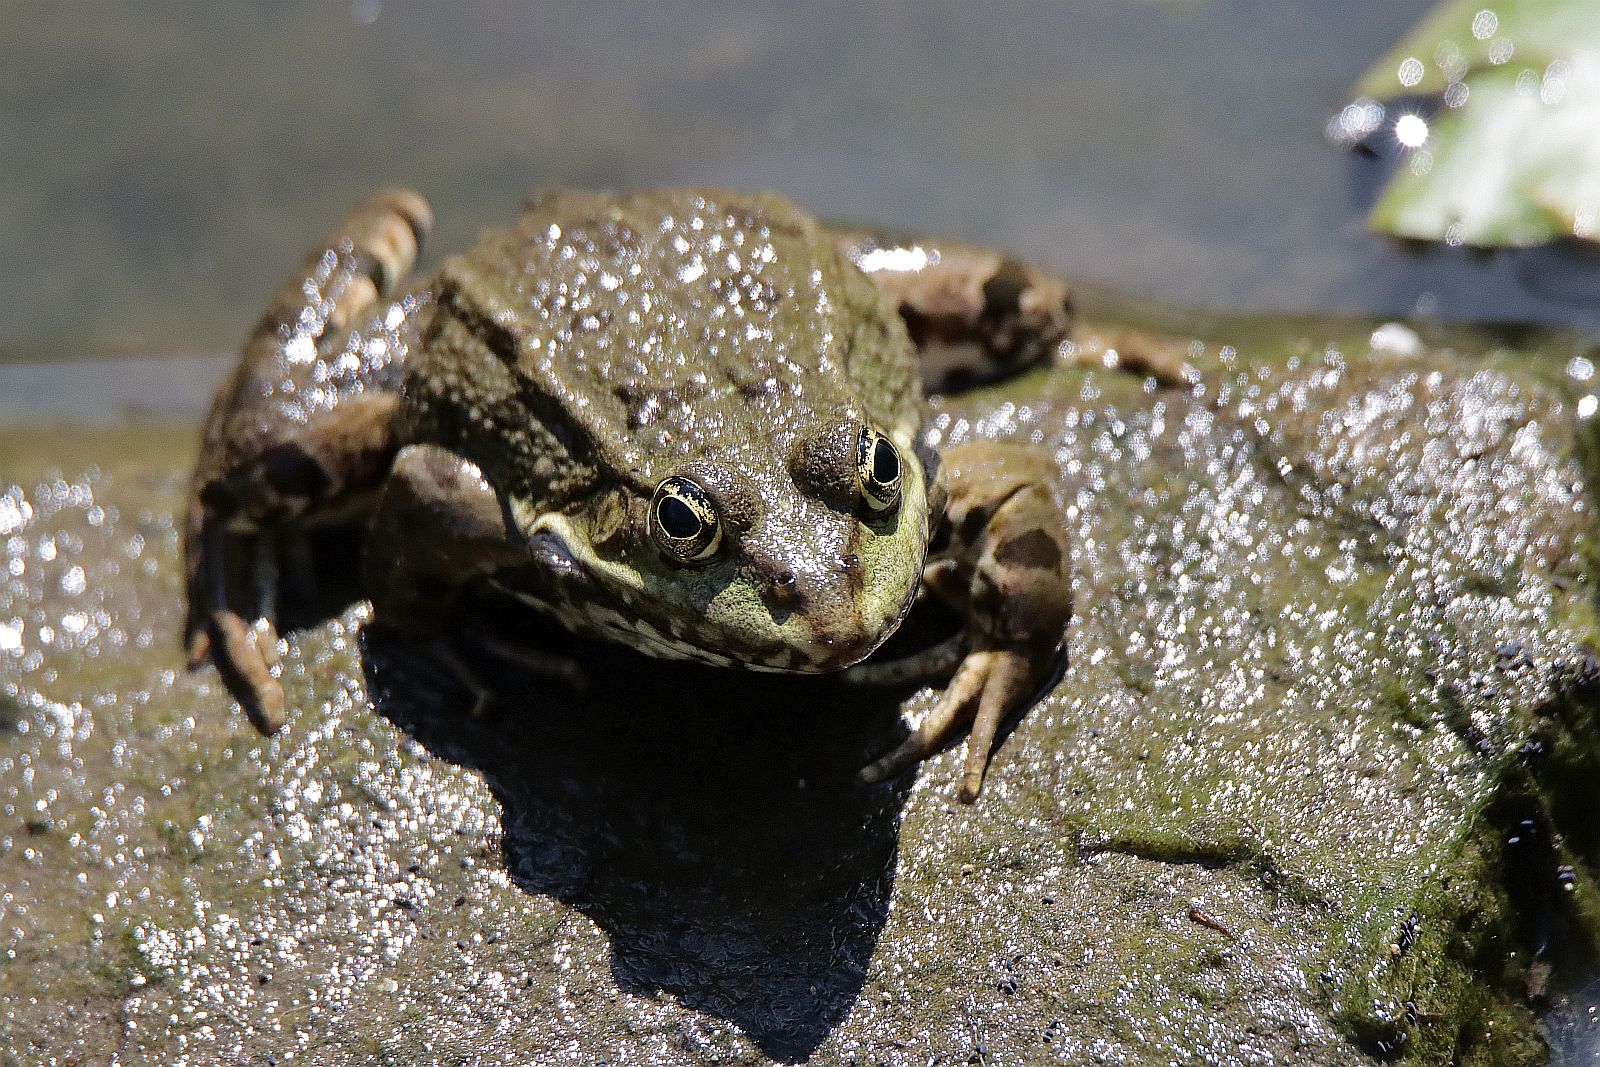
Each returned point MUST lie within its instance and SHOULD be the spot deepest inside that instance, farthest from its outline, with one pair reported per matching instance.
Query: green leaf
(1511, 154)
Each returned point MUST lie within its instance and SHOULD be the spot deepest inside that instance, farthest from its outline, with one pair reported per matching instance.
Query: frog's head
(805, 565)
(731, 470)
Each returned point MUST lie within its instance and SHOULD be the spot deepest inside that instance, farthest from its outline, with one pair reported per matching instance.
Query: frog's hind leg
(974, 314)
(276, 457)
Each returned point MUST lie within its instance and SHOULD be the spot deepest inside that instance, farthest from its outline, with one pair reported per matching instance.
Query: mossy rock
(1315, 788)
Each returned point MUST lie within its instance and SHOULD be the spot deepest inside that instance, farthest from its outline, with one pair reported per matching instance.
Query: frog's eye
(684, 521)
(878, 471)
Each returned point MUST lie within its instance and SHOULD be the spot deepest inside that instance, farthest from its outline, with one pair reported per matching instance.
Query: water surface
(162, 165)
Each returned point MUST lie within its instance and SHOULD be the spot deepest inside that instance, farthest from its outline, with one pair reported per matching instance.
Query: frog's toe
(991, 686)
(926, 665)
(245, 669)
(244, 645)
(444, 653)
(1007, 686)
(1162, 360)
(953, 714)
(542, 662)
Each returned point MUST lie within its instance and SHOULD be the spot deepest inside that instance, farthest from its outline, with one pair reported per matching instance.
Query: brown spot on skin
(934, 329)
(1032, 549)
(855, 575)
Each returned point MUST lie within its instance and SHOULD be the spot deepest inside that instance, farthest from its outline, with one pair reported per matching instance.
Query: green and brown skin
(516, 423)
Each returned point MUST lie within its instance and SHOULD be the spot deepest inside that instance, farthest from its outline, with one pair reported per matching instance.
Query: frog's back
(626, 337)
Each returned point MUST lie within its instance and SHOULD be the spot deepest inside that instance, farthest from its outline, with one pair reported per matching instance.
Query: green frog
(688, 421)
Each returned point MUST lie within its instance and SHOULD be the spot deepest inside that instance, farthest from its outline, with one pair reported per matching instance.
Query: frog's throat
(610, 609)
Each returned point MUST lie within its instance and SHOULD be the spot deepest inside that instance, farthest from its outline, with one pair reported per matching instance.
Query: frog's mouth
(830, 650)
(804, 647)
(732, 625)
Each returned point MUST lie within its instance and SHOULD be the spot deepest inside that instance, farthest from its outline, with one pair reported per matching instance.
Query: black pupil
(677, 518)
(885, 464)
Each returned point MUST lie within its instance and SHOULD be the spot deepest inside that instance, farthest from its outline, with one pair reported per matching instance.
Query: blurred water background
(162, 165)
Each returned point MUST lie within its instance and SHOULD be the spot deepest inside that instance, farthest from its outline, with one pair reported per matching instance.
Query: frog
(689, 421)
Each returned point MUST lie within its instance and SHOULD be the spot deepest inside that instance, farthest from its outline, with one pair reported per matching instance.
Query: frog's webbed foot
(989, 687)
(1000, 556)
(271, 464)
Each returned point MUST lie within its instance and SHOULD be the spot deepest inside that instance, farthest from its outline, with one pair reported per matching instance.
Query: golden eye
(684, 521)
(878, 471)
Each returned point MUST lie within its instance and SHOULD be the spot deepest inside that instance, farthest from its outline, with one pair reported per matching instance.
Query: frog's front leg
(439, 528)
(438, 525)
(295, 437)
(999, 556)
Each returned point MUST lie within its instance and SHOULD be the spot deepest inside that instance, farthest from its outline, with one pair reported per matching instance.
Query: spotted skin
(503, 426)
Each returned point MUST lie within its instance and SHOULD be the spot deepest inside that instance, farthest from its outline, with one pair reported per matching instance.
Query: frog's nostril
(850, 561)
(783, 589)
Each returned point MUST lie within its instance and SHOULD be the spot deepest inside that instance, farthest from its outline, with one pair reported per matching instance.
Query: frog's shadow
(708, 820)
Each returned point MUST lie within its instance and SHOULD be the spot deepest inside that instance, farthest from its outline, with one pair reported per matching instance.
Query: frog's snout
(788, 592)
(819, 610)
(842, 647)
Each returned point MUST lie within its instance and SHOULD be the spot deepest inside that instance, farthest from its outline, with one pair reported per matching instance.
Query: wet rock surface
(1316, 787)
